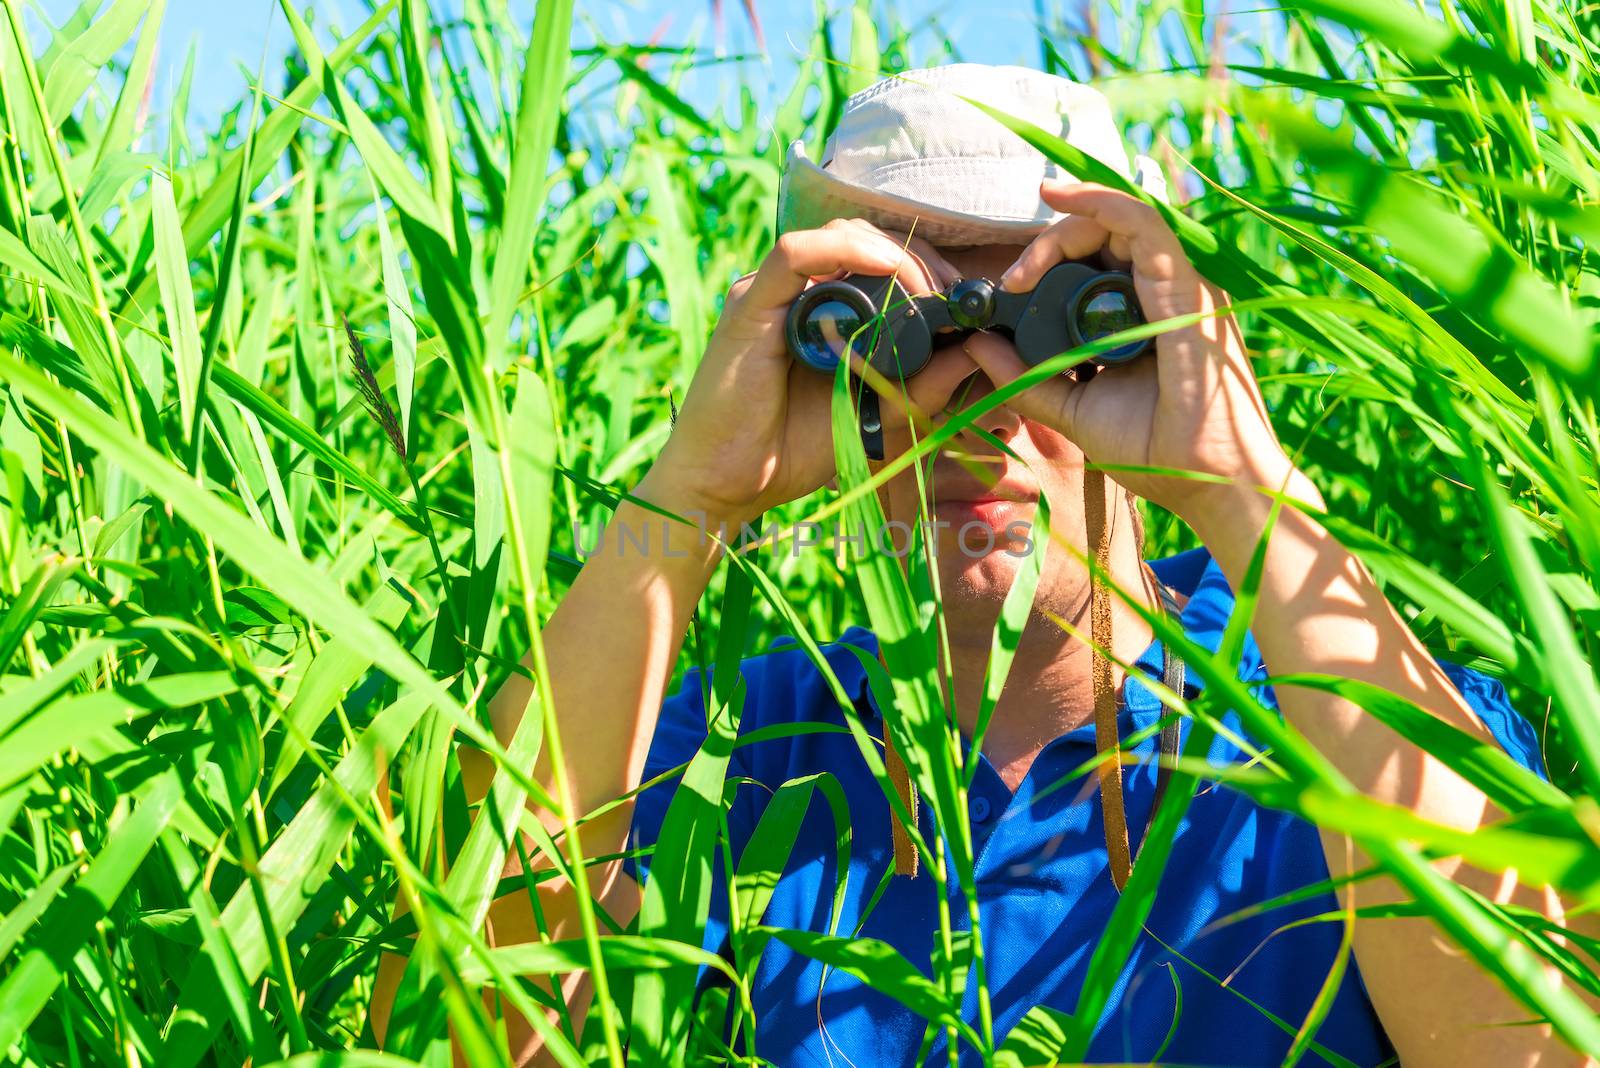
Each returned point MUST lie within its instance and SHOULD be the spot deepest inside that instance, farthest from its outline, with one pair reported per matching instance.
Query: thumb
(1050, 402)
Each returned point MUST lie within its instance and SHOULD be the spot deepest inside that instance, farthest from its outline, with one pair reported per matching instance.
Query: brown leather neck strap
(1107, 739)
(905, 849)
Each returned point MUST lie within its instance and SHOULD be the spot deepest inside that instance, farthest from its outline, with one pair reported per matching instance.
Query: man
(916, 182)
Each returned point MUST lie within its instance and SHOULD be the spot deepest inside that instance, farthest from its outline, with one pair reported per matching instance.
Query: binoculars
(894, 333)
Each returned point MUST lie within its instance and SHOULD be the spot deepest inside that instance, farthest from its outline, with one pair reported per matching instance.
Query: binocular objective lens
(828, 327)
(1107, 312)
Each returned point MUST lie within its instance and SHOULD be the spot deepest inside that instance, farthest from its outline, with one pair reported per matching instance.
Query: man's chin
(976, 579)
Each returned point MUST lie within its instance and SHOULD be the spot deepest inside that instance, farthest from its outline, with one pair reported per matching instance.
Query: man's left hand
(1191, 406)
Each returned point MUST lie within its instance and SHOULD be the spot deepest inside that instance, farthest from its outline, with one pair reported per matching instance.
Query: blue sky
(228, 35)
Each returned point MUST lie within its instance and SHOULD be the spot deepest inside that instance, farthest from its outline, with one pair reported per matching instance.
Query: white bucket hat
(909, 150)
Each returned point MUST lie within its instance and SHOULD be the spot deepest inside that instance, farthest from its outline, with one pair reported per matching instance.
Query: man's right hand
(754, 431)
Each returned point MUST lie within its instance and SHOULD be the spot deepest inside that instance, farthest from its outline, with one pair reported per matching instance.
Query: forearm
(610, 648)
(1319, 611)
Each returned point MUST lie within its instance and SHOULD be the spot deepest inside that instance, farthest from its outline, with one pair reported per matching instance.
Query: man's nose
(1000, 420)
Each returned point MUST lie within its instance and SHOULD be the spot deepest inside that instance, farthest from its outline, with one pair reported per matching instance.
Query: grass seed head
(371, 393)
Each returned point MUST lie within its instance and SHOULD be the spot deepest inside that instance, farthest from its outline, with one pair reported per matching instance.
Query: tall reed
(305, 417)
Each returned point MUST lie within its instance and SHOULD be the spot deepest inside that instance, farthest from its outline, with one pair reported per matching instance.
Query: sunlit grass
(252, 605)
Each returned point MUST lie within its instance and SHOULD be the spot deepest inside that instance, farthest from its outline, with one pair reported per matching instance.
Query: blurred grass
(251, 599)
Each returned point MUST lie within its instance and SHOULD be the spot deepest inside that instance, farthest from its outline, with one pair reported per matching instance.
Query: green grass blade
(177, 297)
(71, 919)
(538, 111)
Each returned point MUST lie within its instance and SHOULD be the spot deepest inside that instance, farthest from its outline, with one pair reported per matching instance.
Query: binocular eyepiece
(1072, 304)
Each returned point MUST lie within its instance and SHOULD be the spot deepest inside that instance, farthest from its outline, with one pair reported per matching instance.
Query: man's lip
(1017, 495)
(995, 513)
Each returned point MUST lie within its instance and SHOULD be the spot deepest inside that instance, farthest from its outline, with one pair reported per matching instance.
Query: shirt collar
(1194, 574)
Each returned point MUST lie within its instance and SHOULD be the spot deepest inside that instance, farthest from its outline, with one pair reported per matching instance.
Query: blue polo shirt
(1229, 994)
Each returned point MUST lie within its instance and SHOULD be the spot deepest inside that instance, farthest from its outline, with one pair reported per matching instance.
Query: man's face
(983, 494)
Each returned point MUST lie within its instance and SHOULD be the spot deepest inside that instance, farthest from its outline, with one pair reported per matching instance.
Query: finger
(940, 269)
(739, 288)
(1072, 238)
(1050, 402)
(929, 392)
(1151, 246)
(1168, 286)
(1117, 255)
(801, 255)
(937, 272)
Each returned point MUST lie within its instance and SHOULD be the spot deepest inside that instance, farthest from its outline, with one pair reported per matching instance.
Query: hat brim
(809, 196)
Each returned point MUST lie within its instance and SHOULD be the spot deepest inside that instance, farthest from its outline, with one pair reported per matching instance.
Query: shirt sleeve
(1484, 694)
(1488, 701)
(680, 732)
